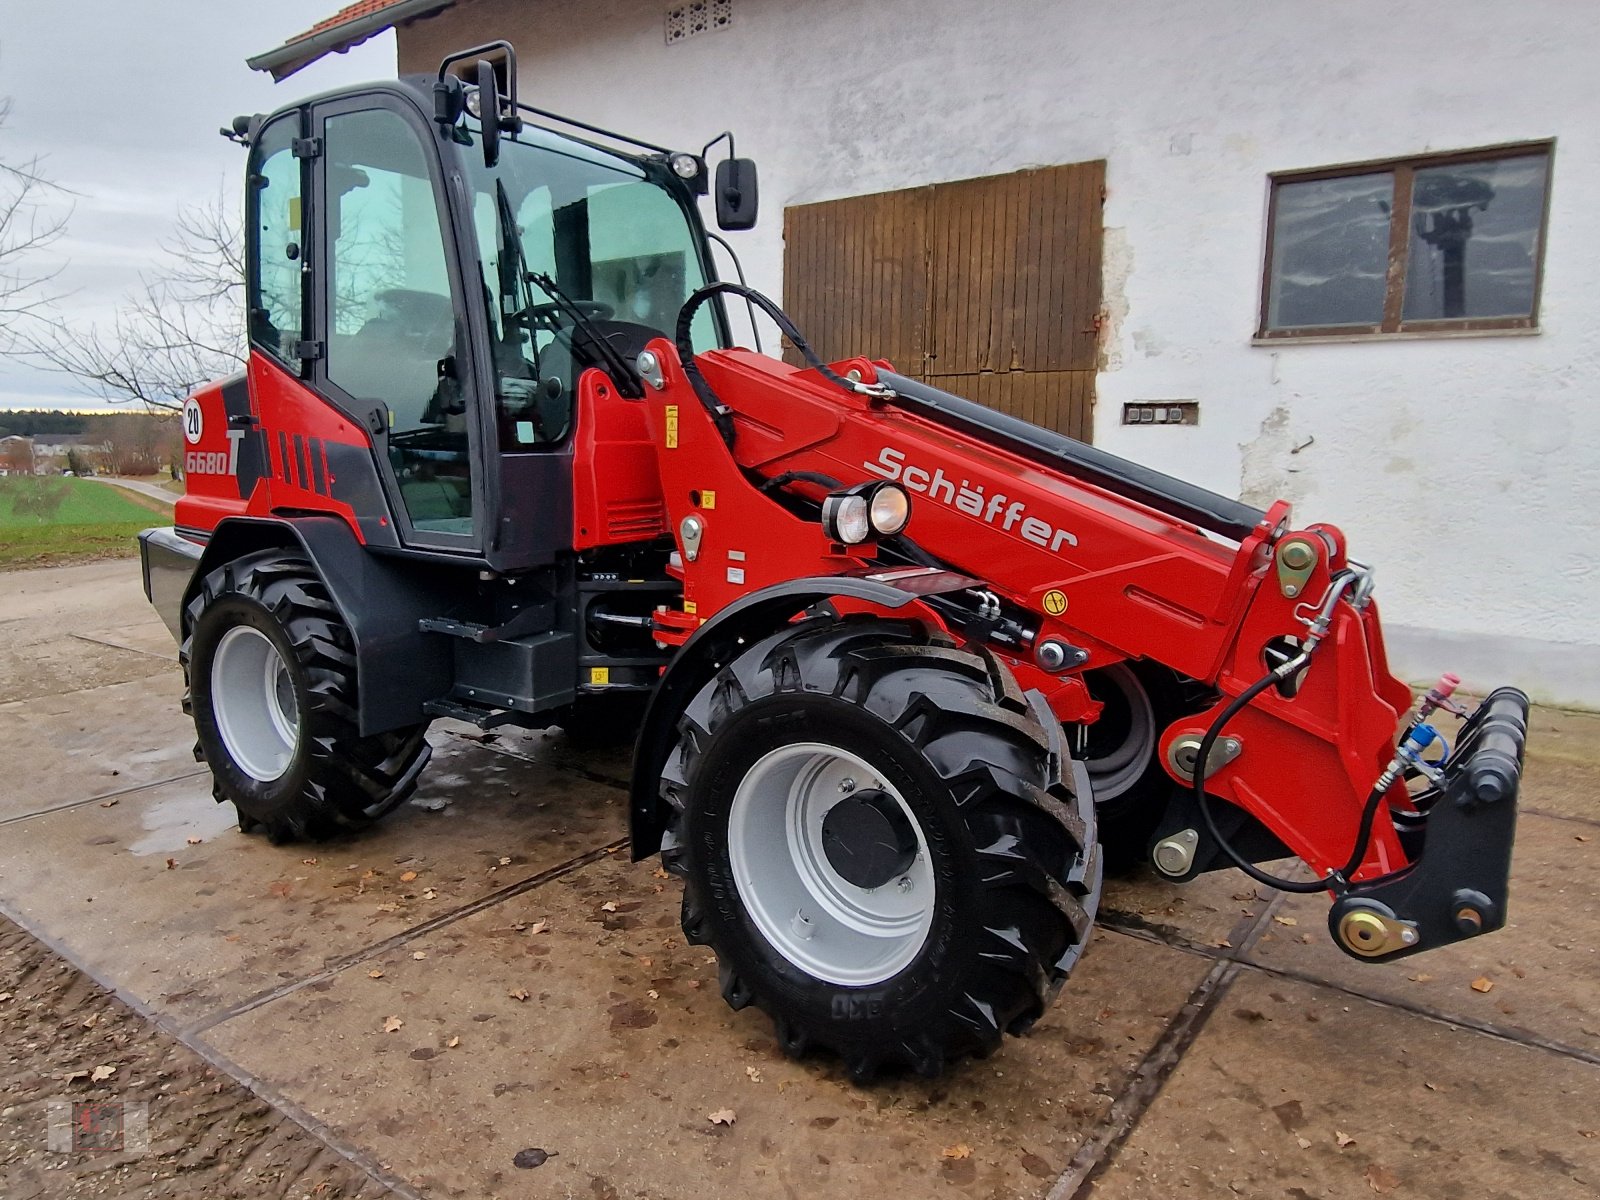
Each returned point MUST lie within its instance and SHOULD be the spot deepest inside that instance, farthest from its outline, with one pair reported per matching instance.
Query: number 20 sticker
(193, 421)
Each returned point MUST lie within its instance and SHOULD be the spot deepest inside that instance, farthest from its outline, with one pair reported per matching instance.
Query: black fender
(701, 657)
(380, 597)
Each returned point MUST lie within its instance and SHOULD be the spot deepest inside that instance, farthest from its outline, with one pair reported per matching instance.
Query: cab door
(390, 313)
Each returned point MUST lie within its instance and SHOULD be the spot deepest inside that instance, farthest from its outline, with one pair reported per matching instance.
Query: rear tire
(977, 876)
(1122, 754)
(271, 674)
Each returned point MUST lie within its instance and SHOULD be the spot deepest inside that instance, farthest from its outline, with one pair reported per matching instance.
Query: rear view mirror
(736, 193)
(489, 112)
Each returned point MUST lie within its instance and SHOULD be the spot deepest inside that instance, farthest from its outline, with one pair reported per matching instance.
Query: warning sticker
(1055, 602)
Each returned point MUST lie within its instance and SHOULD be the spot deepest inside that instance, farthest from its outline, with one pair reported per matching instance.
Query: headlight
(865, 510)
(846, 518)
(685, 166)
(889, 508)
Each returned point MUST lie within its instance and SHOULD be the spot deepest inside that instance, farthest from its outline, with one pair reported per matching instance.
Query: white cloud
(122, 102)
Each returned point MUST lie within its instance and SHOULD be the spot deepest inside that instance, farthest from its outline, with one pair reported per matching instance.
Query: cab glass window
(274, 211)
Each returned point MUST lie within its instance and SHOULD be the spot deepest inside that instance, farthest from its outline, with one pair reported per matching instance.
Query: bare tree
(27, 226)
(182, 328)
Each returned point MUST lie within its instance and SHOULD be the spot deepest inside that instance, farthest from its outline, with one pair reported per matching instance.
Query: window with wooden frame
(1438, 243)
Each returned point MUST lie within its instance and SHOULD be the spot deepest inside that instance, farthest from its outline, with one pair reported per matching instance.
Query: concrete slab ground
(486, 972)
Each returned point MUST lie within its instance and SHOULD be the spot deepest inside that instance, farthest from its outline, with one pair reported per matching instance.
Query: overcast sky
(122, 99)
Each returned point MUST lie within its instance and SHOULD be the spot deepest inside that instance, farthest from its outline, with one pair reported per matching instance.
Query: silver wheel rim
(827, 926)
(1119, 768)
(252, 697)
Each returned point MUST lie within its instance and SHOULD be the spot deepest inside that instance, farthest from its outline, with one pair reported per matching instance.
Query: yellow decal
(708, 499)
(294, 213)
(1055, 602)
(689, 607)
(672, 427)
(599, 676)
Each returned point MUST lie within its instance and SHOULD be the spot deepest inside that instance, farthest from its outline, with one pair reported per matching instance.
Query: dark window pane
(1475, 239)
(1330, 251)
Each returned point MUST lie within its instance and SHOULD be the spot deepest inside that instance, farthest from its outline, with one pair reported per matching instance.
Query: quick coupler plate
(1457, 886)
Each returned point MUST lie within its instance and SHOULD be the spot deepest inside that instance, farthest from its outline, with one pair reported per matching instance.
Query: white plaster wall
(1467, 469)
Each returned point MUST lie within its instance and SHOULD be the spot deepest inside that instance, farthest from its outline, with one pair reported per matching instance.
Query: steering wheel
(597, 309)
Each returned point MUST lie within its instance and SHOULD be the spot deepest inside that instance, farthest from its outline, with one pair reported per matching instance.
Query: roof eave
(283, 61)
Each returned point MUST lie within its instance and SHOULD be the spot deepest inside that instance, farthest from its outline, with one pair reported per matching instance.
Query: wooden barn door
(988, 288)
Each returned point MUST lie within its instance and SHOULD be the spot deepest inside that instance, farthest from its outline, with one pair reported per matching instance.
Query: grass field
(46, 520)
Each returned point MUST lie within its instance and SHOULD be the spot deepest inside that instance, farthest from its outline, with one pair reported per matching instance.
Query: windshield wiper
(623, 373)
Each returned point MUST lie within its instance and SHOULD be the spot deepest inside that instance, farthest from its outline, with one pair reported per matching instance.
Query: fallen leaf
(310, 862)
(533, 1156)
(647, 962)
(90, 1021)
(1421, 977)
(1589, 1133)
(959, 1150)
(609, 906)
(1381, 1179)
(407, 876)
(374, 974)
(1290, 921)
(392, 1024)
(171, 863)
(1343, 1138)
(74, 1076)
(505, 862)
(694, 983)
(1302, 1143)
(723, 1116)
(419, 954)
(280, 889)
(430, 894)
(4, 996)
(452, 1043)
(519, 994)
(660, 874)
(754, 1074)
(1577, 837)
(193, 841)
(538, 926)
(101, 1073)
(112, 803)
(1223, 943)
(1482, 984)
(653, 994)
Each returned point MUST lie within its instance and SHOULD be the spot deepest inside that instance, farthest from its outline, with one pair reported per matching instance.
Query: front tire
(271, 673)
(876, 841)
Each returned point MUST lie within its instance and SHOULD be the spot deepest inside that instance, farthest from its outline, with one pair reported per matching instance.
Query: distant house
(1330, 253)
(53, 451)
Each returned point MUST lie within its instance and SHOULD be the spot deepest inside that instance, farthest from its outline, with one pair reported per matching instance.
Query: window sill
(1415, 335)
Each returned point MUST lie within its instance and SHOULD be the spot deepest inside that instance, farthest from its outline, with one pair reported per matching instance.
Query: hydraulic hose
(1369, 812)
(1199, 785)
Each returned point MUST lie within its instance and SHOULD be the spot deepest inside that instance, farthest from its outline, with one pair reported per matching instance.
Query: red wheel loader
(907, 672)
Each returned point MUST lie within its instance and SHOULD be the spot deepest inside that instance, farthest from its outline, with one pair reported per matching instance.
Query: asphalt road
(152, 490)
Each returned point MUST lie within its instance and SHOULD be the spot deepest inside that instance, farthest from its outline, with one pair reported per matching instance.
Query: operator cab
(443, 279)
